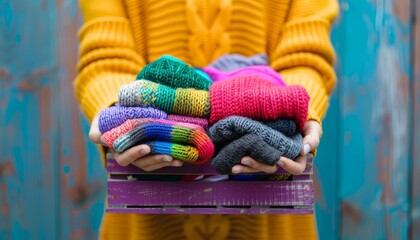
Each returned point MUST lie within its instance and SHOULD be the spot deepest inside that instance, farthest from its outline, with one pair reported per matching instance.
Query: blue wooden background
(368, 167)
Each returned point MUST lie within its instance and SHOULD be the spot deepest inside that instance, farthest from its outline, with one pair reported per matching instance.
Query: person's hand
(312, 135)
(138, 155)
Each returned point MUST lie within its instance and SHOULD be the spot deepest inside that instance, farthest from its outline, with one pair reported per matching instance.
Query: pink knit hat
(264, 71)
(254, 97)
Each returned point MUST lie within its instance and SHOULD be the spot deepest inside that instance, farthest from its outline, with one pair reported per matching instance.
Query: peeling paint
(391, 108)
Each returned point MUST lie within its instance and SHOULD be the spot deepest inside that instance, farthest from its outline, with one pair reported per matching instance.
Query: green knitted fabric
(180, 101)
(172, 72)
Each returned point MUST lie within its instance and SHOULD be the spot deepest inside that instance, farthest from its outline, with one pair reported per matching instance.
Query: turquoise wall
(368, 165)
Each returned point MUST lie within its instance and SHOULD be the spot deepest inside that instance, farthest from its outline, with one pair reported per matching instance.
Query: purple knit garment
(112, 117)
(230, 62)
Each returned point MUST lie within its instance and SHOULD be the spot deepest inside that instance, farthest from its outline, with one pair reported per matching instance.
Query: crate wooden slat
(114, 168)
(210, 210)
(126, 194)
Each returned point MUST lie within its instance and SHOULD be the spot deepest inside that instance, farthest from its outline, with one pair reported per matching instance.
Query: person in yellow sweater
(119, 37)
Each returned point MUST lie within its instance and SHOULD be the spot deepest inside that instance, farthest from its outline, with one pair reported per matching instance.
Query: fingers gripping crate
(292, 194)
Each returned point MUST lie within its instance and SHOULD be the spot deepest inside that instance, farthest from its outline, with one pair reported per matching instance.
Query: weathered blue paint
(415, 186)
(51, 181)
(374, 109)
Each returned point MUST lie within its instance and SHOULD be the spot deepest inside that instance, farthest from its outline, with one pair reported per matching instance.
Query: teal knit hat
(173, 72)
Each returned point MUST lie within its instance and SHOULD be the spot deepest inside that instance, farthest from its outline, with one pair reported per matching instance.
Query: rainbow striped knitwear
(180, 101)
(228, 133)
(172, 72)
(183, 141)
(112, 117)
(202, 122)
(254, 97)
(230, 62)
(265, 72)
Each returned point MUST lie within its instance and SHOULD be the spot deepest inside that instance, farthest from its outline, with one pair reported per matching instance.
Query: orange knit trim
(105, 32)
(312, 82)
(306, 36)
(95, 69)
(136, 11)
(107, 53)
(311, 60)
(102, 92)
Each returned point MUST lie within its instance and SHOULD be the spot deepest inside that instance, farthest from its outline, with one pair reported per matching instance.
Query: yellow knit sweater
(120, 36)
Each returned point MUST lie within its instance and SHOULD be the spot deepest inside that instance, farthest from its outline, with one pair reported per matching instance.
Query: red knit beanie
(254, 97)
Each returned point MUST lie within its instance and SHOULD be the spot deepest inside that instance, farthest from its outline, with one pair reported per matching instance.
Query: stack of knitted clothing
(155, 110)
(251, 109)
(253, 113)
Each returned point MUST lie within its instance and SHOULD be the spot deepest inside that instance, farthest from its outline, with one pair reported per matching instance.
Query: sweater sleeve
(304, 54)
(107, 56)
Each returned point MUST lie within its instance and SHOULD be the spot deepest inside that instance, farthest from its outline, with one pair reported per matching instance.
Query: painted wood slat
(375, 116)
(28, 152)
(415, 182)
(43, 169)
(218, 210)
(225, 193)
(326, 174)
(82, 178)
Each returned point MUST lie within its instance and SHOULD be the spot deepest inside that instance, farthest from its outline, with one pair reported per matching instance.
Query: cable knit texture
(254, 97)
(231, 62)
(265, 72)
(186, 142)
(293, 33)
(112, 117)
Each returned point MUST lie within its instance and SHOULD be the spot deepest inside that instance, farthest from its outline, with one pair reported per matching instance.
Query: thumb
(94, 133)
(312, 135)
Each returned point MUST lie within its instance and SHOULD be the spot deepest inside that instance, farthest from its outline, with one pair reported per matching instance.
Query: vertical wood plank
(82, 178)
(51, 180)
(415, 184)
(375, 116)
(29, 128)
(327, 177)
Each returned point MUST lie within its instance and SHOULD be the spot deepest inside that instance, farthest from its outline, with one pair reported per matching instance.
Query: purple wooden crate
(293, 196)
(216, 210)
(114, 168)
(278, 177)
(227, 193)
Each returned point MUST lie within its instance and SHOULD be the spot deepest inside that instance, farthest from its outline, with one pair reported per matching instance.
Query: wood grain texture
(375, 116)
(29, 176)
(82, 178)
(49, 171)
(44, 172)
(325, 166)
(225, 193)
(415, 185)
(210, 210)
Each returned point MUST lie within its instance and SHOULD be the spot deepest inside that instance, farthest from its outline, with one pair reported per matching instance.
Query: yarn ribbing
(187, 142)
(254, 97)
(180, 101)
(172, 72)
